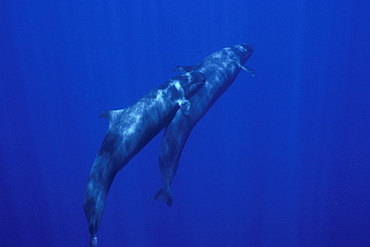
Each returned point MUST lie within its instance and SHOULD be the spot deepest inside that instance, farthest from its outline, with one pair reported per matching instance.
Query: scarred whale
(220, 68)
(130, 129)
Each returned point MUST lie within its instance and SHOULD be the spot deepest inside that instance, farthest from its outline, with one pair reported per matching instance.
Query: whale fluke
(164, 194)
(94, 241)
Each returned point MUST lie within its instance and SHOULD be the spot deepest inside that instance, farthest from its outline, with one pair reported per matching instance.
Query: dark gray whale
(130, 129)
(220, 68)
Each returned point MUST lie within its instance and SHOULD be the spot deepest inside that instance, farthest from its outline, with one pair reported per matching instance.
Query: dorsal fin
(105, 114)
(183, 69)
(111, 114)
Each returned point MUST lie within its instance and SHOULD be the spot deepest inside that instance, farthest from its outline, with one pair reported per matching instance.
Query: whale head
(234, 57)
(229, 60)
(242, 52)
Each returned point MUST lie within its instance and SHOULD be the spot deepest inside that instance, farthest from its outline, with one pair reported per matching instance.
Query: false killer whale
(130, 129)
(220, 68)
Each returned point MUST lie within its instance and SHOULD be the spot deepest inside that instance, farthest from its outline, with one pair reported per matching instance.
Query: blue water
(281, 159)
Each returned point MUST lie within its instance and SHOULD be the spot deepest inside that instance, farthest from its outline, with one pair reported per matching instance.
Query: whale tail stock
(164, 194)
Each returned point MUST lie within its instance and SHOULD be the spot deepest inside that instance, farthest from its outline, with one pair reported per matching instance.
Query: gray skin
(220, 68)
(130, 129)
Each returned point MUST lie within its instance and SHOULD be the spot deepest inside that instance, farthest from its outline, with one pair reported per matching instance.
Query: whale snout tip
(248, 47)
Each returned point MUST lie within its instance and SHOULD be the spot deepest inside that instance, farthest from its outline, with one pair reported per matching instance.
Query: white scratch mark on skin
(177, 85)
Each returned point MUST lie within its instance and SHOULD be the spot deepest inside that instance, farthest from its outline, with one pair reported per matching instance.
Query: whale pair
(176, 105)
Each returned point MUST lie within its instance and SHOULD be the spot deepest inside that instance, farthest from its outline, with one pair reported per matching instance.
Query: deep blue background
(282, 159)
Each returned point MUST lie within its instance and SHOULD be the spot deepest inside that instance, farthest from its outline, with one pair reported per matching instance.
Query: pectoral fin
(249, 70)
